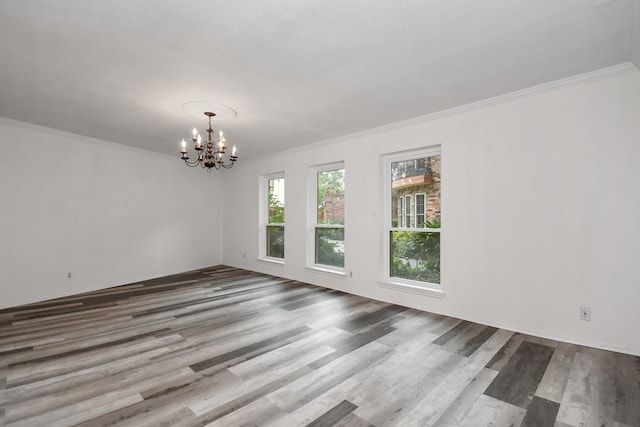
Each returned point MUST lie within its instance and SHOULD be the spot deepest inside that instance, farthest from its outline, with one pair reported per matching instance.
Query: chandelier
(209, 153)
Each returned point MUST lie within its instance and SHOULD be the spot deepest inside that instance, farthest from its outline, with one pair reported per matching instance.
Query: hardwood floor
(228, 347)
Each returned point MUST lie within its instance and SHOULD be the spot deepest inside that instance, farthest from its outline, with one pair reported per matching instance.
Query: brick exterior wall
(428, 183)
(333, 207)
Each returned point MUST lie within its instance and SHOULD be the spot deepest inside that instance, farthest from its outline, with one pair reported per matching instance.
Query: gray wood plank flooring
(222, 346)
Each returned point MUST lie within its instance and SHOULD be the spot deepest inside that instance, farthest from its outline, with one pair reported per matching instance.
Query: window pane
(275, 241)
(415, 255)
(330, 246)
(410, 177)
(331, 197)
(276, 201)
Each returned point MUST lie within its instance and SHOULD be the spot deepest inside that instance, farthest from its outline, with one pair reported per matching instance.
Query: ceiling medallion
(198, 108)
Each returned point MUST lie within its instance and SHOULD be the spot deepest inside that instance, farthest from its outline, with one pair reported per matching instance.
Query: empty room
(320, 213)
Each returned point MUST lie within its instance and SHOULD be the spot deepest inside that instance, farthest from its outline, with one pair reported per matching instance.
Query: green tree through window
(329, 231)
(275, 223)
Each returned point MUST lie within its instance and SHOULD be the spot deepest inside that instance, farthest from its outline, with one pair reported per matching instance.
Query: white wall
(541, 210)
(107, 213)
(635, 44)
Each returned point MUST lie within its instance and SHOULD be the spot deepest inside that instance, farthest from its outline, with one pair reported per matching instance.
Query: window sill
(278, 261)
(327, 270)
(414, 289)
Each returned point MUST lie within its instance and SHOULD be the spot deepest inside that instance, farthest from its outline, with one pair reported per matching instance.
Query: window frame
(312, 219)
(264, 218)
(388, 281)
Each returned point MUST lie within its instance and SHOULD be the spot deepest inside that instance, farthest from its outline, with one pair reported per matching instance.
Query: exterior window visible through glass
(275, 223)
(329, 233)
(420, 198)
(415, 245)
(407, 211)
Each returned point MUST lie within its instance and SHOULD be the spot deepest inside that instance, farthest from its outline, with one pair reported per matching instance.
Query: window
(420, 206)
(328, 217)
(407, 211)
(272, 230)
(412, 240)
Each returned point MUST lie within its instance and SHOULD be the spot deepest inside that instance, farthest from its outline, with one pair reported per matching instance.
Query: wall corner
(635, 43)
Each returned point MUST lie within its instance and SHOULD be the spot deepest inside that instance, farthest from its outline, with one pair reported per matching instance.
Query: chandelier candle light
(209, 152)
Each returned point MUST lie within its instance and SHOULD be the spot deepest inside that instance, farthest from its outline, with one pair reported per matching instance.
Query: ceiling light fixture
(209, 152)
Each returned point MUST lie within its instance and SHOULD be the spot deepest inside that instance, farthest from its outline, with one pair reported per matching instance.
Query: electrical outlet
(585, 313)
(69, 275)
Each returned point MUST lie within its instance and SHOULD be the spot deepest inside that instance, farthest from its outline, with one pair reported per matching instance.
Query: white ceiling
(297, 72)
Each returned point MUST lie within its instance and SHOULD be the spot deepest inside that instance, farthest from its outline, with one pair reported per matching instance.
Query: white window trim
(327, 269)
(312, 220)
(396, 283)
(264, 218)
